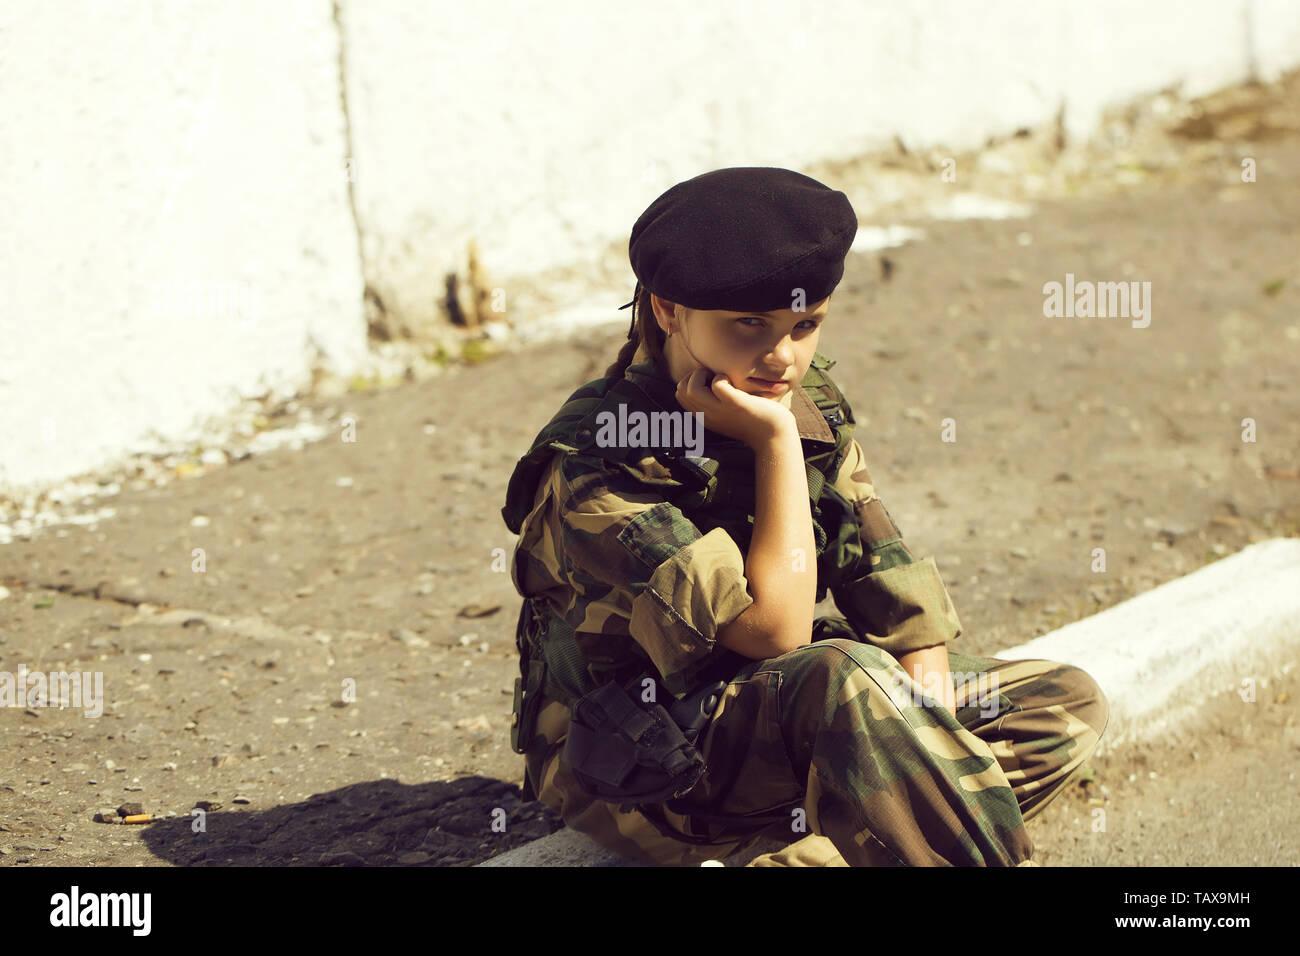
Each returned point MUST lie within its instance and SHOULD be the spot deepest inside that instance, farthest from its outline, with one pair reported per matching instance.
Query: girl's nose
(783, 351)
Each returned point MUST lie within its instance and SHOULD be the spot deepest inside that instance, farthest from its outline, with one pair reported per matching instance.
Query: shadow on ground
(376, 823)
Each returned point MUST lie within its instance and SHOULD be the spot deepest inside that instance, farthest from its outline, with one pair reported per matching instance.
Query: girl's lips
(769, 384)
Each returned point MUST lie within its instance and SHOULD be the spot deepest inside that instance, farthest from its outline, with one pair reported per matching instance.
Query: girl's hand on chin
(752, 419)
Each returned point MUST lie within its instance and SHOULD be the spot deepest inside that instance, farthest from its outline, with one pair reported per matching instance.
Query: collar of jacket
(656, 383)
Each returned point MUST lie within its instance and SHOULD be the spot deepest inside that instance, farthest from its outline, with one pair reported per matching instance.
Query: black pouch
(622, 749)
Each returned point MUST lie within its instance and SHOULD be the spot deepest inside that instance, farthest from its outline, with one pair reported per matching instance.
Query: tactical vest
(713, 492)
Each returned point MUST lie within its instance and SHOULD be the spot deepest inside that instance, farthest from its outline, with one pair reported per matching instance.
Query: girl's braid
(643, 328)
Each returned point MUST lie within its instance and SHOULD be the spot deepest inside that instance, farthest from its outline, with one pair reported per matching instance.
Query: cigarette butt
(136, 818)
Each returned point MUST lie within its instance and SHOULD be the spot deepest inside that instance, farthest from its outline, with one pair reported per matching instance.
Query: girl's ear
(679, 317)
(666, 325)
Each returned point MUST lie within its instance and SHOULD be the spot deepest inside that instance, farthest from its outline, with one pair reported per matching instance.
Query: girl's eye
(809, 324)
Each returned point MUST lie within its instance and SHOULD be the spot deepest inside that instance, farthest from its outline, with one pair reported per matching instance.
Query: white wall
(176, 229)
(149, 143)
(544, 128)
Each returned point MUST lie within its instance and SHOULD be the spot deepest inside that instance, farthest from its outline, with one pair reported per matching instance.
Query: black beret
(742, 239)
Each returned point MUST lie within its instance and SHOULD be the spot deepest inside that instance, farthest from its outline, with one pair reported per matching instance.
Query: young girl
(858, 740)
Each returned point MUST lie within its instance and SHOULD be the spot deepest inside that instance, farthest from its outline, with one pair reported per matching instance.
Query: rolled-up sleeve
(643, 568)
(891, 599)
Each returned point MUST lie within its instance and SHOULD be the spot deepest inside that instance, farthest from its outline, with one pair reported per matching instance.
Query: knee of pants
(820, 661)
(1087, 701)
(812, 676)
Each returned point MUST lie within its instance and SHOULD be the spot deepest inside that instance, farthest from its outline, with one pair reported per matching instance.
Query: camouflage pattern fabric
(637, 579)
(630, 579)
(886, 776)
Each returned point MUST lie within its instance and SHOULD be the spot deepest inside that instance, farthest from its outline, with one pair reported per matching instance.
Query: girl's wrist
(777, 438)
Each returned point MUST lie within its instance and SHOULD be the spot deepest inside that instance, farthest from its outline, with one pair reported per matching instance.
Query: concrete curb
(1157, 657)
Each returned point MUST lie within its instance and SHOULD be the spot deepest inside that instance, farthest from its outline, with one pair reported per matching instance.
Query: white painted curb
(1157, 657)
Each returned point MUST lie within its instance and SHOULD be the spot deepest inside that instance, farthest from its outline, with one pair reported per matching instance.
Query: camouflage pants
(879, 773)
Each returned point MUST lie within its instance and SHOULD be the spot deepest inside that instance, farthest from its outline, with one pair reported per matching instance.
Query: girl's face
(764, 354)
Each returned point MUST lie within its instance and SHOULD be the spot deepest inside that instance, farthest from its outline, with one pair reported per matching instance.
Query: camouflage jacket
(636, 579)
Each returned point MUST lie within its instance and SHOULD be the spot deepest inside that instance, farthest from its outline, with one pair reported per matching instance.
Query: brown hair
(644, 329)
